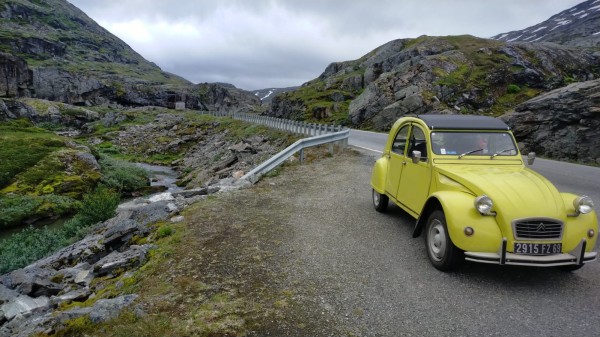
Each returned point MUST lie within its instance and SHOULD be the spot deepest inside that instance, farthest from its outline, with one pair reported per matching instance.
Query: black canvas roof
(461, 122)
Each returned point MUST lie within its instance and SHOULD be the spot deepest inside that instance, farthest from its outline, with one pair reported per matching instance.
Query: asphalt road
(369, 277)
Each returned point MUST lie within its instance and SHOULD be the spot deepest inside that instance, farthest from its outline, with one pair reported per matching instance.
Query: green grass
(25, 145)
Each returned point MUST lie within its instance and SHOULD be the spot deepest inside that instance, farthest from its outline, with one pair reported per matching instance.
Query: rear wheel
(443, 254)
(380, 201)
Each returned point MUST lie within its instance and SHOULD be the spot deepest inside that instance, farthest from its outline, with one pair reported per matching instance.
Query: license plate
(537, 248)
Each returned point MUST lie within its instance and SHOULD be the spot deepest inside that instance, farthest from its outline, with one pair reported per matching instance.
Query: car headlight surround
(483, 204)
(583, 204)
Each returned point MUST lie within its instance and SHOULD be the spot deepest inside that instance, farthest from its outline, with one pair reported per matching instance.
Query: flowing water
(159, 176)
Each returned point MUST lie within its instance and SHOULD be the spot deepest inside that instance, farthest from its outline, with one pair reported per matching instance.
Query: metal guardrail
(308, 129)
(320, 134)
(255, 174)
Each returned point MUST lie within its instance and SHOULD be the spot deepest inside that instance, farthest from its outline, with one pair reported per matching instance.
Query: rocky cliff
(51, 50)
(456, 74)
(561, 124)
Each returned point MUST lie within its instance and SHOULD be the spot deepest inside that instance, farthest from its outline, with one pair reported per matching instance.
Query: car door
(396, 159)
(415, 178)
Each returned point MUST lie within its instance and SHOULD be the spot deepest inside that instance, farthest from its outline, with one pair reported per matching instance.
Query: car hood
(517, 191)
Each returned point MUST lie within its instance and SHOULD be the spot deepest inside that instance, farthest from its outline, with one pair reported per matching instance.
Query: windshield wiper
(468, 152)
(500, 152)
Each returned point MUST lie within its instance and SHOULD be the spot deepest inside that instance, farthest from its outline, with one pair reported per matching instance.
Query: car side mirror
(416, 156)
(530, 158)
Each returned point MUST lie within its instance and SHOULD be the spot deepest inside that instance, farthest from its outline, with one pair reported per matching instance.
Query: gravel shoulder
(303, 253)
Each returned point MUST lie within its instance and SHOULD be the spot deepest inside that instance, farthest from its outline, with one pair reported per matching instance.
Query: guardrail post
(301, 152)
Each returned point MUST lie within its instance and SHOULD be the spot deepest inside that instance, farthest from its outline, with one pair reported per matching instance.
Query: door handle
(403, 163)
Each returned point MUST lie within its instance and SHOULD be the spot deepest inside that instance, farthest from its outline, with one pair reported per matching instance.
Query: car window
(400, 141)
(476, 143)
(417, 142)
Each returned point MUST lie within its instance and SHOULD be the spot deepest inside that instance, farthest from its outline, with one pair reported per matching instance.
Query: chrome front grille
(538, 229)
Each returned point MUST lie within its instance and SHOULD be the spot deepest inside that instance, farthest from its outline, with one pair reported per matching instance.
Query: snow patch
(505, 35)
(564, 22)
(580, 12)
(514, 39)
(529, 37)
(596, 33)
(537, 30)
(539, 38)
(595, 2)
(269, 94)
(583, 16)
(595, 7)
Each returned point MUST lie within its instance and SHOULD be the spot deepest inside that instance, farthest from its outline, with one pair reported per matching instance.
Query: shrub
(122, 176)
(16, 208)
(513, 89)
(164, 231)
(32, 244)
(29, 245)
(99, 206)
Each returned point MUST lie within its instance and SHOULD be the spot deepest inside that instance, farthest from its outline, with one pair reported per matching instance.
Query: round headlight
(483, 204)
(583, 204)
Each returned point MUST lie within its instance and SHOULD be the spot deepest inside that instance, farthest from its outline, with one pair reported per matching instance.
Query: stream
(159, 176)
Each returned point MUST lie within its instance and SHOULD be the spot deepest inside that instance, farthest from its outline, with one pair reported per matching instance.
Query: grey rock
(106, 309)
(24, 305)
(90, 249)
(196, 192)
(6, 294)
(79, 295)
(32, 281)
(135, 256)
(561, 124)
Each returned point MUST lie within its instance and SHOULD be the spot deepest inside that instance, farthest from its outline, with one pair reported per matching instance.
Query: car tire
(380, 201)
(443, 254)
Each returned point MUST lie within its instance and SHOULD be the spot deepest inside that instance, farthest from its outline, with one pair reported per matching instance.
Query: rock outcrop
(562, 124)
(463, 74)
(35, 299)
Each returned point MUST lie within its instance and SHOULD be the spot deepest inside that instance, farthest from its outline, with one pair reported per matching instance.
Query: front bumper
(577, 256)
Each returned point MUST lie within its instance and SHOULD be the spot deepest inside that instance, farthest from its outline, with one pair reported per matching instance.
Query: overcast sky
(256, 44)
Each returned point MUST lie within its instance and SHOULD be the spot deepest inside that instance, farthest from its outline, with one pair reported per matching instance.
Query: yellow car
(464, 180)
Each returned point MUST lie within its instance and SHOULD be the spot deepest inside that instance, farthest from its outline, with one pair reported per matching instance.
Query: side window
(418, 143)
(400, 141)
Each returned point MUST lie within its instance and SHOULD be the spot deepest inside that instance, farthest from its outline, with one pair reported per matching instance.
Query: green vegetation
(25, 145)
(122, 176)
(513, 89)
(32, 244)
(15, 208)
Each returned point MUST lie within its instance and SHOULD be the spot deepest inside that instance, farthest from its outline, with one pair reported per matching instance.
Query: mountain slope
(52, 50)
(455, 73)
(576, 26)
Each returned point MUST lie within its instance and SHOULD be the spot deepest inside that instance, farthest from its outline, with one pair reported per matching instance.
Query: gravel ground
(327, 264)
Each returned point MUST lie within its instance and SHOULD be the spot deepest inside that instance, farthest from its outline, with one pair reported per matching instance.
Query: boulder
(561, 124)
(133, 257)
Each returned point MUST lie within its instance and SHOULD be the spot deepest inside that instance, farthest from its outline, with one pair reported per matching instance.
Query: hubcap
(376, 198)
(436, 240)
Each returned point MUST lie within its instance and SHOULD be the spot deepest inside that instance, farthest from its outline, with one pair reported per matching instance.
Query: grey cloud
(254, 44)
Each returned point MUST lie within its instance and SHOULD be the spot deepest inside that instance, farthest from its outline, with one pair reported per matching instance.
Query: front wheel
(443, 254)
(380, 201)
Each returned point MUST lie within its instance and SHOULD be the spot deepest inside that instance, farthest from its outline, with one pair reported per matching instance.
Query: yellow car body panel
(452, 181)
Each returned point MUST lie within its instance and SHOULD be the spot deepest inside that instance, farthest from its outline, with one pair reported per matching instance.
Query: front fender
(576, 227)
(460, 212)
(379, 174)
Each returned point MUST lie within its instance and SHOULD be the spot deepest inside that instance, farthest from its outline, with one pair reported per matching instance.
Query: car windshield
(475, 143)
